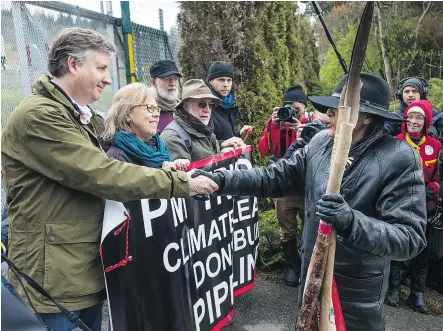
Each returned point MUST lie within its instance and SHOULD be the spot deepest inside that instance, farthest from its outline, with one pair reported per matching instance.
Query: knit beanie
(417, 110)
(415, 83)
(220, 69)
(295, 94)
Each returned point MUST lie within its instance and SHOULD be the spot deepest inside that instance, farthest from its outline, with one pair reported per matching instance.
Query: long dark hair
(375, 126)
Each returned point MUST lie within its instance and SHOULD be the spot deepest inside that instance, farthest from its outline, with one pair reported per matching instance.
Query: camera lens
(309, 132)
(283, 114)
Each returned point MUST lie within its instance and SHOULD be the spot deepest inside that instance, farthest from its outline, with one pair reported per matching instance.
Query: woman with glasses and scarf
(131, 129)
(191, 134)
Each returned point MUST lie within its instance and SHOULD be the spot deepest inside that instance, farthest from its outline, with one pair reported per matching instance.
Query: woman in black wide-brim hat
(379, 214)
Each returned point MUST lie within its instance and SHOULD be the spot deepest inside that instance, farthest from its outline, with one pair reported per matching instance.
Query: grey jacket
(201, 146)
(387, 194)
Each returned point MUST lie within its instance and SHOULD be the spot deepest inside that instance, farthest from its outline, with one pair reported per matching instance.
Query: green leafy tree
(406, 40)
(331, 71)
(436, 93)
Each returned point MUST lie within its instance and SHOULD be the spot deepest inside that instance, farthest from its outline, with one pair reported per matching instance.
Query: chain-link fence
(28, 29)
(153, 43)
(150, 46)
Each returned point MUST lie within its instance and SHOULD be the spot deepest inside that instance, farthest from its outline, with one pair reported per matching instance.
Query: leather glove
(332, 208)
(436, 221)
(429, 194)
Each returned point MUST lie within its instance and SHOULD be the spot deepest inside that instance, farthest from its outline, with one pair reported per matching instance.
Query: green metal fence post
(127, 40)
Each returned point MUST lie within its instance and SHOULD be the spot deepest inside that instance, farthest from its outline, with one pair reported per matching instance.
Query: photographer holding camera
(281, 130)
(278, 134)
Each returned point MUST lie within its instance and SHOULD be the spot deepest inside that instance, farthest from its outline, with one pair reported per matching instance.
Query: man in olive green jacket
(57, 178)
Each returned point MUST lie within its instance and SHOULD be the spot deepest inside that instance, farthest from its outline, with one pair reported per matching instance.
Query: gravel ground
(271, 306)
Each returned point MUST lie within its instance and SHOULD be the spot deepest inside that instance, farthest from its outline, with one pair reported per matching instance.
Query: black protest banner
(178, 264)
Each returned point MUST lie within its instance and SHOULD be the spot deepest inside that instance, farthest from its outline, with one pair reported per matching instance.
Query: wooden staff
(348, 115)
(321, 267)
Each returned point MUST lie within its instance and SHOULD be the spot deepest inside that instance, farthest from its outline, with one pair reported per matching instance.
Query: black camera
(287, 112)
(310, 130)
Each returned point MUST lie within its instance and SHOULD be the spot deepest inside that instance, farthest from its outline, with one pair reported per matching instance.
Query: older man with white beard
(165, 78)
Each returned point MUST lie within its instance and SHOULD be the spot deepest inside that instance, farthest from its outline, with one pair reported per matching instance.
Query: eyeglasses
(203, 104)
(417, 118)
(150, 108)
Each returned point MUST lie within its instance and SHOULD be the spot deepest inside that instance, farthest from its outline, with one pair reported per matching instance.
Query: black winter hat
(295, 94)
(164, 68)
(220, 69)
(415, 83)
(374, 97)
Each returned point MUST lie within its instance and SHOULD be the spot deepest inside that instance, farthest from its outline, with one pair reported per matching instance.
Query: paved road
(270, 307)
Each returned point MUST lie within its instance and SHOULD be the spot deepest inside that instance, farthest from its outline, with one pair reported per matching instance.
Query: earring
(129, 120)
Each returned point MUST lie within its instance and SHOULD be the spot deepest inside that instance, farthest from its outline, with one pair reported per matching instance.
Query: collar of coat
(44, 86)
(50, 90)
(414, 145)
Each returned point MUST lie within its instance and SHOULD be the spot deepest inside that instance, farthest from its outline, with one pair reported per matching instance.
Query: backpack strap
(182, 133)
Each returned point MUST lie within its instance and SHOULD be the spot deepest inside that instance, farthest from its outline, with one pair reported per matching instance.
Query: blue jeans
(91, 316)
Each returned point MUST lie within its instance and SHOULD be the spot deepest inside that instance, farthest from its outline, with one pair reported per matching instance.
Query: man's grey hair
(75, 42)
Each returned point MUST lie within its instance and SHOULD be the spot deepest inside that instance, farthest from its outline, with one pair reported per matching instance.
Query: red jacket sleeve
(264, 142)
(269, 143)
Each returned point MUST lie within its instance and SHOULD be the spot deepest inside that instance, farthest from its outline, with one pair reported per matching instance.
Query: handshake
(202, 183)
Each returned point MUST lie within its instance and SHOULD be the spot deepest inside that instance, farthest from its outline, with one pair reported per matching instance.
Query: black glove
(333, 208)
(436, 221)
(429, 194)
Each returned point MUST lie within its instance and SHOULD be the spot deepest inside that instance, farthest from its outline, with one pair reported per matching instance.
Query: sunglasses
(203, 104)
(150, 108)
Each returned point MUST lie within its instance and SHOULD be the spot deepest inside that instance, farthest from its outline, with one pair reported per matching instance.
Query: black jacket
(387, 195)
(119, 154)
(224, 122)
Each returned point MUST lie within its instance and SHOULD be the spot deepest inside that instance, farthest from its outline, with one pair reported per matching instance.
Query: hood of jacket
(427, 108)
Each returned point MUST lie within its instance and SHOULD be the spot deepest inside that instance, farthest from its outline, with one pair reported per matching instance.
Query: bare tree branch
(417, 29)
(381, 39)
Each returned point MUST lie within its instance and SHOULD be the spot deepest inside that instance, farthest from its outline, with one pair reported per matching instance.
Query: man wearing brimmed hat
(409, 90)
(191, 134)
(219, 80)
(165, 78)
(379, 214)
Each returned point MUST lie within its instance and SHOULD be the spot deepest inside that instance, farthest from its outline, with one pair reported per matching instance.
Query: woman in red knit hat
(418, 116)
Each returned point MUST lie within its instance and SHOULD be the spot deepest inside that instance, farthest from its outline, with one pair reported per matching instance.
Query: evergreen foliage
(269, 46)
